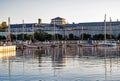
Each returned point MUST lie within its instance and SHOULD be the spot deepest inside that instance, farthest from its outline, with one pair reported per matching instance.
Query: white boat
(5, 48)
(31, 46)
(87, 45)
(11, 53)
(108, 43)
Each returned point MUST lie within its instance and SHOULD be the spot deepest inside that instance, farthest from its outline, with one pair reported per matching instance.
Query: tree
(98, 37)
(3, 25)
(2, 38)
(71, 36)
(85, 36)
(118, 37)
(42, 36)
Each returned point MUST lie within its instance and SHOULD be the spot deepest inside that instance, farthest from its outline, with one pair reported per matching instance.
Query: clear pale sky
(72, 10)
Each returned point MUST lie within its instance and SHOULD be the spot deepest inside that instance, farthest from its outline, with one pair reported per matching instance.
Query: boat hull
(8, 48)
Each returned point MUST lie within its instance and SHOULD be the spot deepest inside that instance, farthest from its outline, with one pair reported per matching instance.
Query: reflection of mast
(78, 50)
(117, 59)
(54, 61)
(9, 67)
(82, 51)
(110, 61)
(23, 60)
(105, 66)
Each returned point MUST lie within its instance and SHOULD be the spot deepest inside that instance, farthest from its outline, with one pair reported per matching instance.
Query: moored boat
(87, 45)
(107, 43)
(7, 48)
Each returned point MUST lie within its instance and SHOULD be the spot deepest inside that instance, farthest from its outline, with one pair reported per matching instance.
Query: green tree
(2, 38)
(71, 36)
(42, 36)
(3, 25)
(85, 36)
(58, 37)
(98, 37)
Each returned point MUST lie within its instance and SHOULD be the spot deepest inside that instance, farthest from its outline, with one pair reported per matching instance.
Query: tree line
(43, 36)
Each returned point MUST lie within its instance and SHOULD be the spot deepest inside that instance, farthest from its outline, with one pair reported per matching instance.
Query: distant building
(58, 21)
(62, 28)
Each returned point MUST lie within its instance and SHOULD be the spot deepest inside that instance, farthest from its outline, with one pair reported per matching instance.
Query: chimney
(39, 21)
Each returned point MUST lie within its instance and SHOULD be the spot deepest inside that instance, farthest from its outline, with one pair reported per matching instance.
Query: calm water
(61, 64)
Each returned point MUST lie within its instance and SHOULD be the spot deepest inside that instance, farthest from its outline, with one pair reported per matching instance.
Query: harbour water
(62, 64)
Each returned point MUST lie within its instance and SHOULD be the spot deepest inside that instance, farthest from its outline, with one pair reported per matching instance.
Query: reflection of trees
(39, 54)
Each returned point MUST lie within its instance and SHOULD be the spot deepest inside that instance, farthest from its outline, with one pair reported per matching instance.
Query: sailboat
(8, 47)
(107, 42)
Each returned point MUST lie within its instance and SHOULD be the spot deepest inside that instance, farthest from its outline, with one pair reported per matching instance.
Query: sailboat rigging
(107, 42)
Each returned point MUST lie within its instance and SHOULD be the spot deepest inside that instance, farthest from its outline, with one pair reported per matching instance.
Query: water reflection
(58, 57)
(7, 57)
(62, 64)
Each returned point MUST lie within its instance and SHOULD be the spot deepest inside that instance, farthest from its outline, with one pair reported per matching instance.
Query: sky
(72, 10)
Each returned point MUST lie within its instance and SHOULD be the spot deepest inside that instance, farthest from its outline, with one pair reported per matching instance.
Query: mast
(23, 30)
(105, 28)
(9, 36)
(82, 33)
(110, 28)
(54, 32)
(33, 32)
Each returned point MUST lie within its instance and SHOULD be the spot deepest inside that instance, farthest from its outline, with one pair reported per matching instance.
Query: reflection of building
(58, 21)
(58, 57)
(7, 54)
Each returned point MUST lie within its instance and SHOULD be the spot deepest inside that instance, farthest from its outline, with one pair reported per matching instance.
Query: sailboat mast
(33, 32)
(105, 28)
(110, 28)
(23, 30)
(82, 33)
(9, 36)
(54, 32)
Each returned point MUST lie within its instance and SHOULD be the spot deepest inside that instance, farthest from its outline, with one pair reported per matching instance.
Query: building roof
(67, 25)
(99, 23)
(57, 18)
(21, 25)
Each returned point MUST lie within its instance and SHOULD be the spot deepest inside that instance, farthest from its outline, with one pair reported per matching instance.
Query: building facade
(59, 26)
